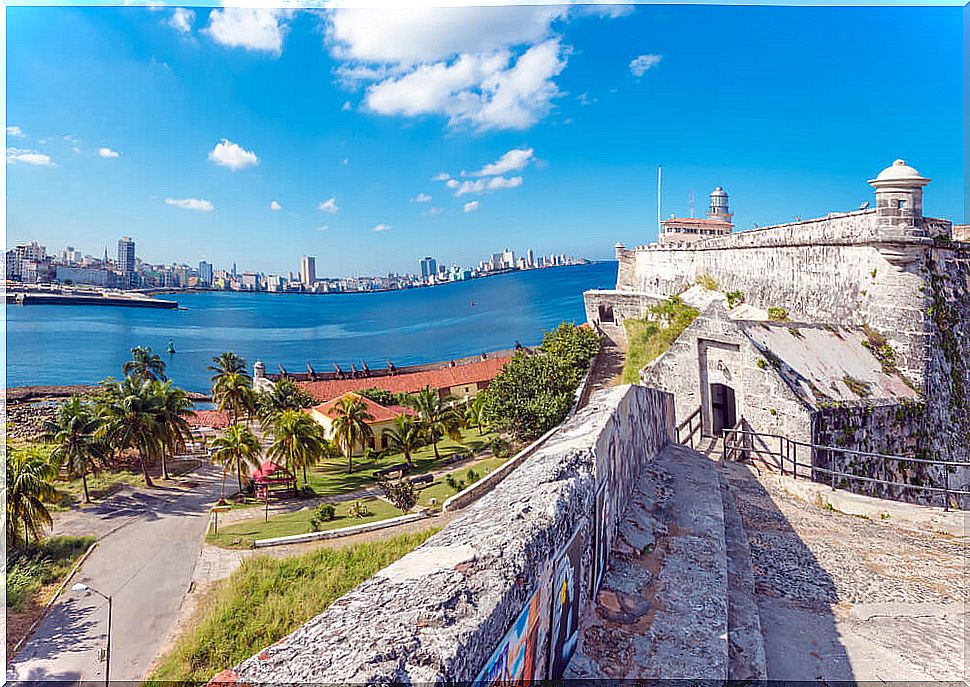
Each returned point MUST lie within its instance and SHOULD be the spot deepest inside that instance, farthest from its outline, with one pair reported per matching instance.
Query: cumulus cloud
(470, 207)
(421, 198)
(251, 28)
(483, 185)
(382, 227)
(639, 65)
(182, 19)
(329, 205)
(231, 155)
(107, 152)
(514, 160)
(191, 204)
(14, 131)
(274, 205)
(28, 157)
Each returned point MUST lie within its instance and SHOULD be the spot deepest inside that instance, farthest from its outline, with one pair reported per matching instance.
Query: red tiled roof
(266, 471)
(409, 382)
(380, 413)
(216, 419)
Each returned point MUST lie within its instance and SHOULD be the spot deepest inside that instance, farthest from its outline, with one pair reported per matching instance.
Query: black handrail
(692, 430)
(787, 455)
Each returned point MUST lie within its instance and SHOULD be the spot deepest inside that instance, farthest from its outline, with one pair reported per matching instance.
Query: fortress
(869, 341)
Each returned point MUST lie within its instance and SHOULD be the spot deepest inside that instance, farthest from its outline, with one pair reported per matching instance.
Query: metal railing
(692, 425)
(741, 444)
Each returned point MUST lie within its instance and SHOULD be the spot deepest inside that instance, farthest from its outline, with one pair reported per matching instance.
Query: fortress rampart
(504, 582)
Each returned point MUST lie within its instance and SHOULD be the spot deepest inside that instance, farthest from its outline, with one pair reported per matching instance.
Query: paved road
(146, 565)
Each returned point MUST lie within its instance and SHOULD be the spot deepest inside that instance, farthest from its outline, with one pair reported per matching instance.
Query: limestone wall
(444, 612)
(621, 305)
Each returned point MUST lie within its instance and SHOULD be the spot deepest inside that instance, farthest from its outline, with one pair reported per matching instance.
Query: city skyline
(211, 141)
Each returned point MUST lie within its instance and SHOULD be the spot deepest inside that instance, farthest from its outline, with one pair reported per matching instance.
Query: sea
(68, 344)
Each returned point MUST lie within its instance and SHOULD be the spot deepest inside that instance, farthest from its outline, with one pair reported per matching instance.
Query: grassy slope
(266, 599)
(42, 565)
(648, 339)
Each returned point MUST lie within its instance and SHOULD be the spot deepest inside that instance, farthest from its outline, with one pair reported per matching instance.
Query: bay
(57, 345)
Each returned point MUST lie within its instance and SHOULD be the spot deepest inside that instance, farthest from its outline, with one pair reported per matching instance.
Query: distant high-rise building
(308, 270)
(205, 273)
(530, 259)
(126, 255)
(508, 259)
(429, 267)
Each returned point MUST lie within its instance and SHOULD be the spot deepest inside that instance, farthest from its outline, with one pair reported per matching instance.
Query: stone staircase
(677, 601)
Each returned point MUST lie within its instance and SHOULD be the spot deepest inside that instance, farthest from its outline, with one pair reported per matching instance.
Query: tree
(145, 364)
(575, 346)
(174, 407)
(438, 417)
(227, 363)
(130, 411)
(73, 430)
(238, 449)
(29, 486)
(285, 395)
(381, 396)
(473, 412)
(350, 427)
(298, 441)
(402, 494)
(233, 392)
(405, 436)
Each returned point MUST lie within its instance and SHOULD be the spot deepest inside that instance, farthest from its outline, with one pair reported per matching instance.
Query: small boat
(171, 347)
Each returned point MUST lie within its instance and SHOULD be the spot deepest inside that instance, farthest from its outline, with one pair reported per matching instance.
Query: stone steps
(662, 611)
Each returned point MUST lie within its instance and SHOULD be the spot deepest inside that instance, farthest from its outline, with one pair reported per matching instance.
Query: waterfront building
(530, 259)
(691, 229)
(382, 418)
(205, 273)
(84, 275)
(429, 267)
(508, 259)
(126, 261)
(308, 270)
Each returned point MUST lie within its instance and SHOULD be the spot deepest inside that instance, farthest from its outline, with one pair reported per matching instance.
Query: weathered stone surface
(438, 614)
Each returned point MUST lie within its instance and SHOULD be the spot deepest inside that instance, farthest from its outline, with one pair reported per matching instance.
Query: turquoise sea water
(50, 344)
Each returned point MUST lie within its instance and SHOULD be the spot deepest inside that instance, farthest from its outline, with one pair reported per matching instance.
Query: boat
(171, 347)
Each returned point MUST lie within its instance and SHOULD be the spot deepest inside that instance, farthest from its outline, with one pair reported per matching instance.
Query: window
(606, 314)
(900, 203)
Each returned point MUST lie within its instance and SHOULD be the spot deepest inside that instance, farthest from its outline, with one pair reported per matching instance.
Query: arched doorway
(724, 414)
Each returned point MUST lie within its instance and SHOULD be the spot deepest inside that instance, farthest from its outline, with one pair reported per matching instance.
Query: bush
(777, 314)
(707, 281)
(734, 298)
(402, 494)
(325, 511)
(499, 447)
(29, 570)
(650, 337)
(381, 396)
(573, 345)
(455, 484)
(471, 476)
(358, 510)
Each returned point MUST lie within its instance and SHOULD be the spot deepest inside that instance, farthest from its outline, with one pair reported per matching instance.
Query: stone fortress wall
(484, 592)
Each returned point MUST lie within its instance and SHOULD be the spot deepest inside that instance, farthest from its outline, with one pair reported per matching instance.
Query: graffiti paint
(564, 630)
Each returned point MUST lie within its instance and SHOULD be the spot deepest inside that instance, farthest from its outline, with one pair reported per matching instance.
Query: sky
(371, 138)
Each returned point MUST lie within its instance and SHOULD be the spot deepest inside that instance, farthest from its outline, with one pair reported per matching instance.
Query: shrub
(650, 337)
(402, 494)
(499, 447)
(734, 298)
(707, 281)
(325, 512)
(381, 396)
(777, 314)
(455, 484)
(471, 476)
(358, 510)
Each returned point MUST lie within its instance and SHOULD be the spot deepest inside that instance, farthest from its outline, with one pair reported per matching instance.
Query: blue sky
(181, 128)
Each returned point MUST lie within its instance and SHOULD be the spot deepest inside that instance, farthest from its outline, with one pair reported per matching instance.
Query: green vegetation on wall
(650, 337)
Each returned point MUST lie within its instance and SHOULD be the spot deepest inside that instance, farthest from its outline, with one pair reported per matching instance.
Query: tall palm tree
(227, 363)
(73, 431)
(237, 448)
(473, 412)
(285, 395)
(404, 436)
(174, 407)
(298, 441)
(233, 392)
(350, 427)
(29, 485)
(145, 364)
(130, 412)
(438, 416)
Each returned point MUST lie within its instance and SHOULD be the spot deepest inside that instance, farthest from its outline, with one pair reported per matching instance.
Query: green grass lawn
(332, 478)
(297, 523)
(44, 564)
(266, 599)
(441, 490)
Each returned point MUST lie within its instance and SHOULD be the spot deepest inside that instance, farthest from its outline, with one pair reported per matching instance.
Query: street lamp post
(81, 587)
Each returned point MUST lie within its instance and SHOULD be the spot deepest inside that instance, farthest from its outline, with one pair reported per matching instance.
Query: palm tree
(227, 363)
(350, 427)
(298, 441)
(473, 412)
(145, 364)
(236, 448)
(174, 406)
(438, 416)
(29, 485)
(285, 395)
(404, 436)
(130, 412)
(77, 448)
(233, 392)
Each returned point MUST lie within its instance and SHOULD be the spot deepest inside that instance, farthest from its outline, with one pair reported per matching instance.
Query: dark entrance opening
(606, 314)
(723, 412)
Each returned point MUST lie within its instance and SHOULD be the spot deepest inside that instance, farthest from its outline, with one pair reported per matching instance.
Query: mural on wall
(601, 537)
(565, 607)
(516, 661)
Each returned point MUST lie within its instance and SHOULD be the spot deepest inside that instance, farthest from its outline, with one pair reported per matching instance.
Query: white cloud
(421, 198)
(191, 204)
(382, 227)
(484, 185)
(70, 139)
(249, 28)
(274, 205)
(107, 152)
(346, 106)
(470, 207)
(515, 159)
(28, 157)
(231, 155)
(323, 227)
(14, 131)
(639, 65)
(432, 212)
(329, 205)
(182, 19)
(444, 176)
